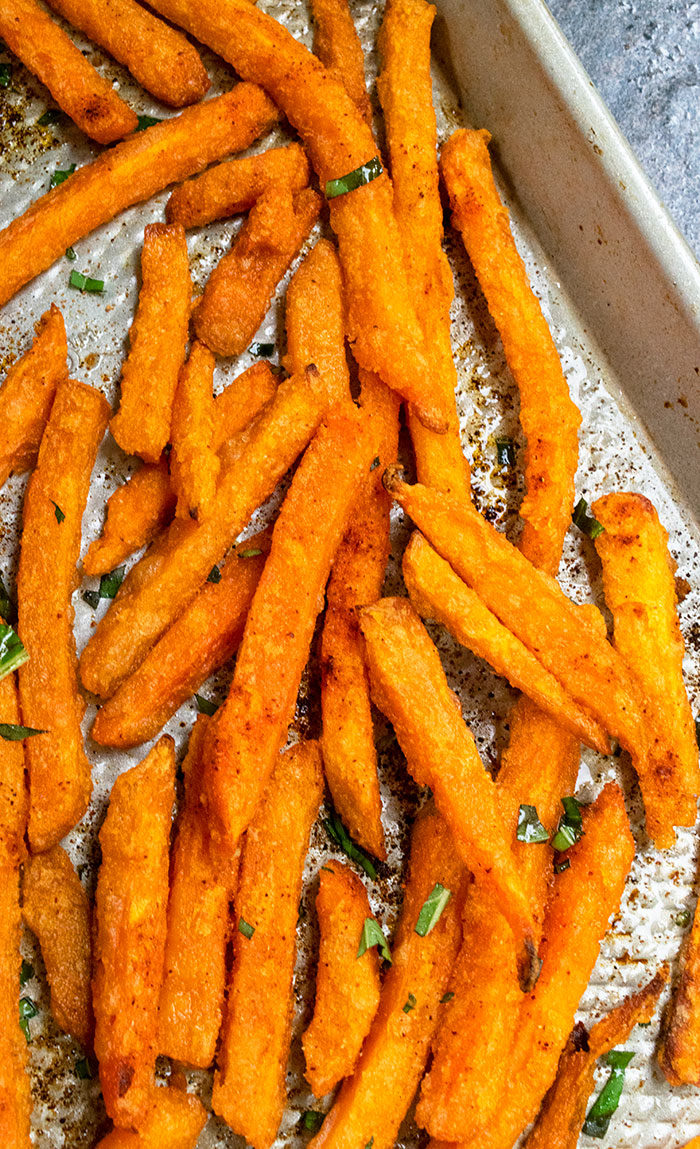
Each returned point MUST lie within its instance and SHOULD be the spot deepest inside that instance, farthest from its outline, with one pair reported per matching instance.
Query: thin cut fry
(157, 342)
(639, 585)
(373, 1102)
(174, 1121)
(160, 58)
(240, 288)
(251, 727)
(347, 987)
(14, 798)
(129, 173)
(549, 418)
(234, 186)
(338, 47)
(59, 772)
(83, 94)
(250, 1084)
(194, 464)
(130, 908)
(56, 909)
(161, 587)
(27, 394)
(315, 320)
(679, 1048)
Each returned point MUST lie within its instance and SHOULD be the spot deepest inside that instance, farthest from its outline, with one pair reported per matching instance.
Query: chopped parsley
(12, 651)
(11, 733)
(205, 705)
(59, 176)
(373, 935)
(432, 908)
(530, 829)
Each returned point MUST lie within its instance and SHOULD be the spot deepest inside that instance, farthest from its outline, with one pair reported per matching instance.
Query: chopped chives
(146, 122)
(585, 522)
(355, 179)
(245, 928)
(59, 176)
(607, 1101)
(205, 705)
(337, 832)
(411, 1003)
(85, 283)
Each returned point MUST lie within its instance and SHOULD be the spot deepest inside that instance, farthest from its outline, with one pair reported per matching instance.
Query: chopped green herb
(585, 522)
(370, 1143)
(12, 652)
(431, 909)
(70, 254)
(110, 583)
(328, 869)
(262, 350)
(60, 176)
(214, 575)
(559, 867)
(27, 1008)
(146, 122)
(373, 935)
(26, 972)
(355, 179)
(375, 463)
(85, 283)
(250, 553)
(530, 829)
(505, 452)
(82, 1069)
(337, 832)
(570, 827)
(50, 116)
(5, 75)
(24, 1026)
(607, 1101)
(205, 705)
(313, 1120)
(683, 919)
(17, 733)
(410, 1003)
(7, 607)
(60, 515)
(447, 997)
(92, 598)
(245, 928)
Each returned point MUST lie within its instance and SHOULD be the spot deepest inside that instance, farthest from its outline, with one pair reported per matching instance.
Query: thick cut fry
(679, 1048)
(15, 1096)
(130, 907)
(14, 799)
(564, 1108)
(638, 580)
(159, 588)
(347, 987)
(157, 342)
(410, 688)
(59, 773)
(28, 392)
(373, 1102)
(174, 1121)
(129, 173)
(338, 47)
(242, 401)
(250, 1084)
(56, 909)
(251, 727)
(160, 58)
(315, 320)
(240, 288)
(549, 418)
(438, 593)
(194, 464)
(83, 94)
(234, 186)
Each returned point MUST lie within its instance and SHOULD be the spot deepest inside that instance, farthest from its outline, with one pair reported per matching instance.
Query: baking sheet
(616, 453)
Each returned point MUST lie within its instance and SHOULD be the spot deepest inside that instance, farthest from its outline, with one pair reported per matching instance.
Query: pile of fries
(188, 950)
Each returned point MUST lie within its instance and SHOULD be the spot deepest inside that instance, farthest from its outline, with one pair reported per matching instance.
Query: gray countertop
(644, 58)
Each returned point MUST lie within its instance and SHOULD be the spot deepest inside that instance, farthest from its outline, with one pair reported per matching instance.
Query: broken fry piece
(174, 1121)
(338, 46)
(315, 320)
(194, 464)
(679, 1048)
(235, 186)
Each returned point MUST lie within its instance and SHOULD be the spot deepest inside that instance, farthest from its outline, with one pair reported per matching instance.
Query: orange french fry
(60, 783)
(194, 464)
(250, 1085)
(130, 913)
(14, 797)
(679, 1047)
(127, 174)
(315, 320)
(347, 987)
(174, 1121)
(159, 588)
(83, 94)
(338, 47)
(28, 392)
(639, 586)
(157, 341)
(239, 290)
(160, 58)
(549, 418)
(234, 186)
(373, 1102)
(251, 727)
(56, 909)
(242, 401)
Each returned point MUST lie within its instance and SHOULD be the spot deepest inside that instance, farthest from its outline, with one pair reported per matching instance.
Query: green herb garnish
(375, 463)
(585, 522)
(245, 928)
(82, 1069)
(355, 179)
(447, 997)
(110, 583)
(27, 1010)
(505, 452)
(250, 553)
(26, 972)
(50, 116)
(559, 867)
(205, 705)
(60, 515)
(5, 75)
(683, 919)
(313, 1120)
(59, 176)
(373, 935)
(146, 122)
(85, 283)
(410, 1003)
(70, 254)
(12, 652)
(12, 733)
(336, 830)
(570, 827)
(92, 598)
(530, 829)
(262, 350)
(432, 908)
(214, 575)
(607, 1101)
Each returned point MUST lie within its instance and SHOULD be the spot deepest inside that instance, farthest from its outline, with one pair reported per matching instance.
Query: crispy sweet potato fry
(56, 909)
(194, 463)
(679, 1047)
(234, 186)
(130, 907)
(438, 593)
(251, 727)
(315, 320)
(373, 1102)
(347, 987)
(157, 342)
(174, 1121)
(638, 580)
(86, 96)
(240, 288)
(563, 1110)
(338, 47)
(160, 58)
(59, 773)
(549, 418)
(131, 172)
(410, 688)
(28, 392)
(242, 401)
(14, 799)
(250, 1084)
(159, 588)
(15, 1096)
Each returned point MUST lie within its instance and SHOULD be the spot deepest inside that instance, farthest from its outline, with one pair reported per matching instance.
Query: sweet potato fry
(315, 320)
(563, 1110)
(174, 1121)
(157, 341)
(241, 402)
(129, 173)
(160, 58)
(250, 1084)
(130, 908)
(56, 909)
(59, 773)
(438, 593)
(549, 418)
(251, 727)
(679, 1047)
(234, 186)
(347, 987)
(194, 463)
(28, 392)
(373, 1102)
(83, 94)
(638, 580)
(14, 799)
(15, 1096)
(240, 288)
(158, 589)
(410, 688)
(338, 47)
